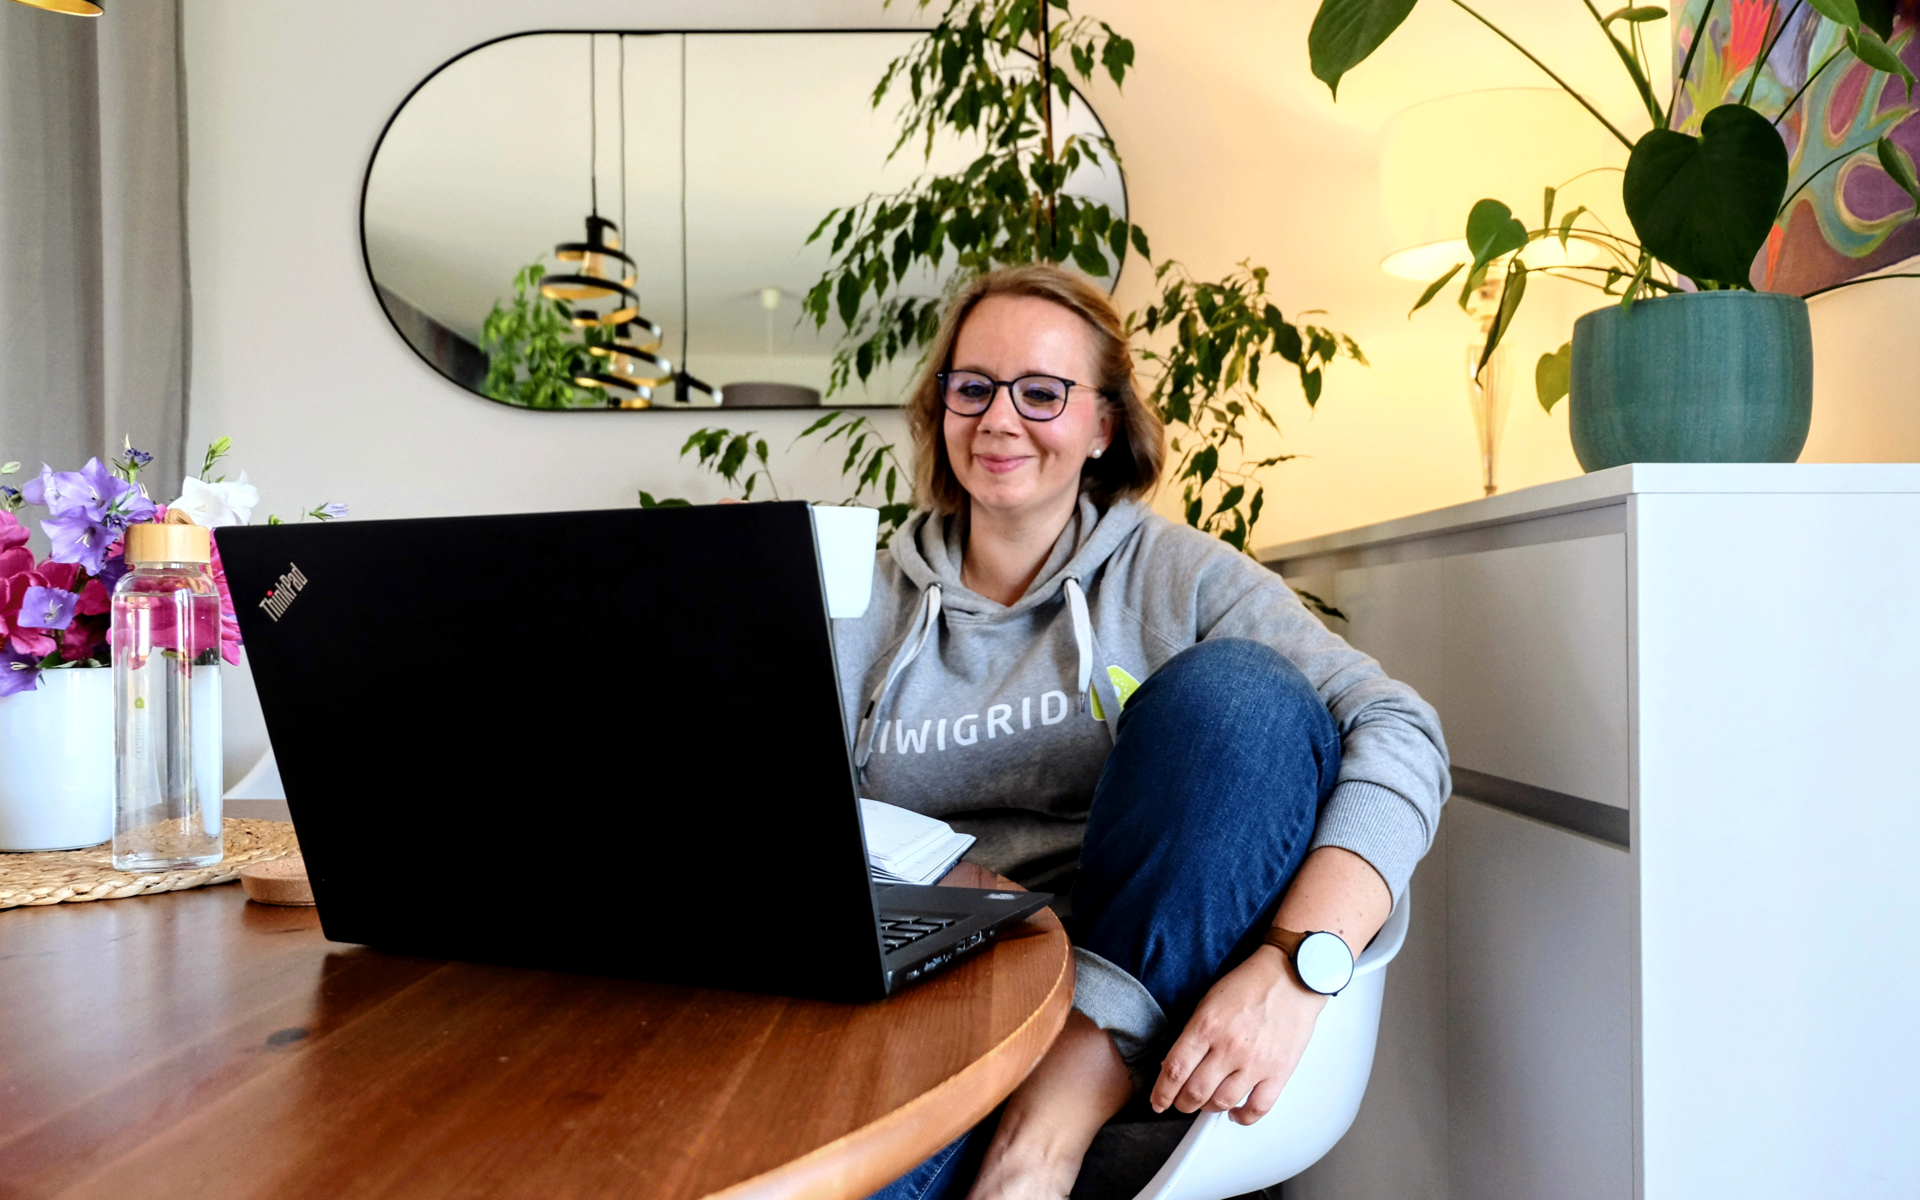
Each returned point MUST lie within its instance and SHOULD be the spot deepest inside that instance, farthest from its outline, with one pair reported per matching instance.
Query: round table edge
(859, 1163)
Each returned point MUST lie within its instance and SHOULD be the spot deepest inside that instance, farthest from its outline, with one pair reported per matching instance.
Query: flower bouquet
(54, 614)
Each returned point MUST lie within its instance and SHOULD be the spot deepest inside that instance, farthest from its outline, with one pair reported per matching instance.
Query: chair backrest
(1218, 1159)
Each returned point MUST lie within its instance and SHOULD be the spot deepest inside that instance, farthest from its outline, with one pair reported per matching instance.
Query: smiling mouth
(999, 464)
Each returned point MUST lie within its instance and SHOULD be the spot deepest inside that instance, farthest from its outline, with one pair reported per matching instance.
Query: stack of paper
(905, 847)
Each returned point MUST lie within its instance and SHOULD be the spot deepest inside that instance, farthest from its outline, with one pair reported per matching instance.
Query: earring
(1099, 450)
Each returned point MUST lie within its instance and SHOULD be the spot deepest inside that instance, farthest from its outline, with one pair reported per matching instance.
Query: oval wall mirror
(583, 221)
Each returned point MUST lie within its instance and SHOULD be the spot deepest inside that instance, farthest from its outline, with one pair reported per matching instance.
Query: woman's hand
(1243, 1042)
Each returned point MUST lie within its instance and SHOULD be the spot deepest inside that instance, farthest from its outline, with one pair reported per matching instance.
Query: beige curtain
(94, 315)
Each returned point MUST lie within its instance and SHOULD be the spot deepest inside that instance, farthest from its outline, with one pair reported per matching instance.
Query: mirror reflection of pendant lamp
(684, 383)
(1508, 144)
(73, 8)
(620, 340)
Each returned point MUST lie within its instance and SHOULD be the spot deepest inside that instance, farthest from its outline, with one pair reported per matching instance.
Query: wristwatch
(1321, 961)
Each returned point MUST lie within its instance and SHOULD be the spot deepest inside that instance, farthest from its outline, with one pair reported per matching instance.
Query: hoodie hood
(930, 547)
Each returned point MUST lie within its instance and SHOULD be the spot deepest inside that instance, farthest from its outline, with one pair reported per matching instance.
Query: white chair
(1218, 1158)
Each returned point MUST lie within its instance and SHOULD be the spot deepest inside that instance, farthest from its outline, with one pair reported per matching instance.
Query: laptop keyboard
(901, 929)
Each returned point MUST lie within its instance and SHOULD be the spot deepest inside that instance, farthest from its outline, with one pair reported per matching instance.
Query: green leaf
(1566, 224)
(847, 296)
(1231, 497)
(9, 468)
(1318, 605)
(1705, 205)
(1493, 230)
(1087, 256)
(1511, 291)
(1193, 510)
(215, 452)
(1631, 291)
(1205, 463)
(1869, 49)
(1433, 289)
(1287, 344)
(1346, 32)
(1846, 12)
(1635, 14)
(1893, 160)
(1552, 375)
(1140, 242)
(1116, 56)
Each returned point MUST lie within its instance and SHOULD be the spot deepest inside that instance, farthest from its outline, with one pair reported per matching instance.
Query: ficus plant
(994, 71)
(1701, 204)
(532, 352)
(744, 462)
(1206, 385)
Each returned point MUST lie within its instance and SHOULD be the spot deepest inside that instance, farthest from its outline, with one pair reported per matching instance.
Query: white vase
(56, 762)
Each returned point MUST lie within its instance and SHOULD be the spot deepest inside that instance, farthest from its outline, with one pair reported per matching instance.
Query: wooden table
(194, 1044)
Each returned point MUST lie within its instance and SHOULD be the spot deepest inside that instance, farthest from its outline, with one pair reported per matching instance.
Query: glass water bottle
(166, 702)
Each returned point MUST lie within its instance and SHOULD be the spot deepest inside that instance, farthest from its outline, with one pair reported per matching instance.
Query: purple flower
(91, 510)
(110, 575)
(47, 608)
(332, 511)
(18, 672)
(137, 458)
(78, 538)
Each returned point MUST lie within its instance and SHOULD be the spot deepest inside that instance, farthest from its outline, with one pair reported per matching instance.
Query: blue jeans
(1202, 815)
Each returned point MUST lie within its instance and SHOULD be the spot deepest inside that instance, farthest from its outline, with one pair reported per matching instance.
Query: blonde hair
(1130, 467)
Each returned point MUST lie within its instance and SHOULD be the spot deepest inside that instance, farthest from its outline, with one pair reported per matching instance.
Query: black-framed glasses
(1035, 397)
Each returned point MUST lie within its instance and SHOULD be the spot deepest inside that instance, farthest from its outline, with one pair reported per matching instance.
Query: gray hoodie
(998, 719)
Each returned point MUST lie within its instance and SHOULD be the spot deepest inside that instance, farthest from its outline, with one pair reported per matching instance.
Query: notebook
(906, 847)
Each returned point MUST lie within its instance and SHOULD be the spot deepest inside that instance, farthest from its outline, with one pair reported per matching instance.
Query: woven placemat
(70, 876)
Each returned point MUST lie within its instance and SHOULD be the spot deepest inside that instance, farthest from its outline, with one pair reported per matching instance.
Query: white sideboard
(1667, 943)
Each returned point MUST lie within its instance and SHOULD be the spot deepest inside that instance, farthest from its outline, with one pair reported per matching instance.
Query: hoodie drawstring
(1083, 641)
(1082, 636)
(910, 647)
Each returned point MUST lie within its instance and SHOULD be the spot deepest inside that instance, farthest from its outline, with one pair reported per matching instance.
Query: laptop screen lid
(602, 741)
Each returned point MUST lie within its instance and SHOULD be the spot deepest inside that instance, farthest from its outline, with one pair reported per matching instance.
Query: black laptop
(608, 742)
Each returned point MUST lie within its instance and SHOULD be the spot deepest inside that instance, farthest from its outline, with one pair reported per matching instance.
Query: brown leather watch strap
(1284, 940)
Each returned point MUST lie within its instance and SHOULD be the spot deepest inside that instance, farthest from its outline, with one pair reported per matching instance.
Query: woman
(1050, 666)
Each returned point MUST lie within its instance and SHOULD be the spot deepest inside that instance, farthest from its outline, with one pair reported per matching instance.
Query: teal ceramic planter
(1694, 377)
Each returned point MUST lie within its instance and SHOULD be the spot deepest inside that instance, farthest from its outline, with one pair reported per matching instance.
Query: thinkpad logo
(282, 593)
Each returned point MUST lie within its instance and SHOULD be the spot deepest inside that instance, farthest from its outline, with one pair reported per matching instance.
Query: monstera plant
(1683, 383)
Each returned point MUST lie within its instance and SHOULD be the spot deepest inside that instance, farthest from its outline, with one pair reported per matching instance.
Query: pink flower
(14, 584)
(229, 623)
(94, 600)
(64, 576)
(85, 638)
(12, 532)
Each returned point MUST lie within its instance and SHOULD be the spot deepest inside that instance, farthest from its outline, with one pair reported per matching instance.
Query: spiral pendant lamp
(620, 340)
(74, 8)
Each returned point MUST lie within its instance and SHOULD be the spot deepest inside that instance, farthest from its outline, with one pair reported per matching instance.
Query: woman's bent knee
(1240, 699)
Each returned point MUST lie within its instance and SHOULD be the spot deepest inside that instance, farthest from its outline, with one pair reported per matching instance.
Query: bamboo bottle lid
(178, 539)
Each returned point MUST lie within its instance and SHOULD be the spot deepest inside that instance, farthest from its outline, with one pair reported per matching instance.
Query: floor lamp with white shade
(1510, 144)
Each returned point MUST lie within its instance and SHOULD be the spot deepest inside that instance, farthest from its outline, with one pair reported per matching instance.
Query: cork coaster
(278, 881)
(73, 876)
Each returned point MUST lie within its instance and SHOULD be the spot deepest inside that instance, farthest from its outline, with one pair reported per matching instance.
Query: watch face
(1324, 963)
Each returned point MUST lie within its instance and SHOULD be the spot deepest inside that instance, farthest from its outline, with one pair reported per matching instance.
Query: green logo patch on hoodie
(1123, 687)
